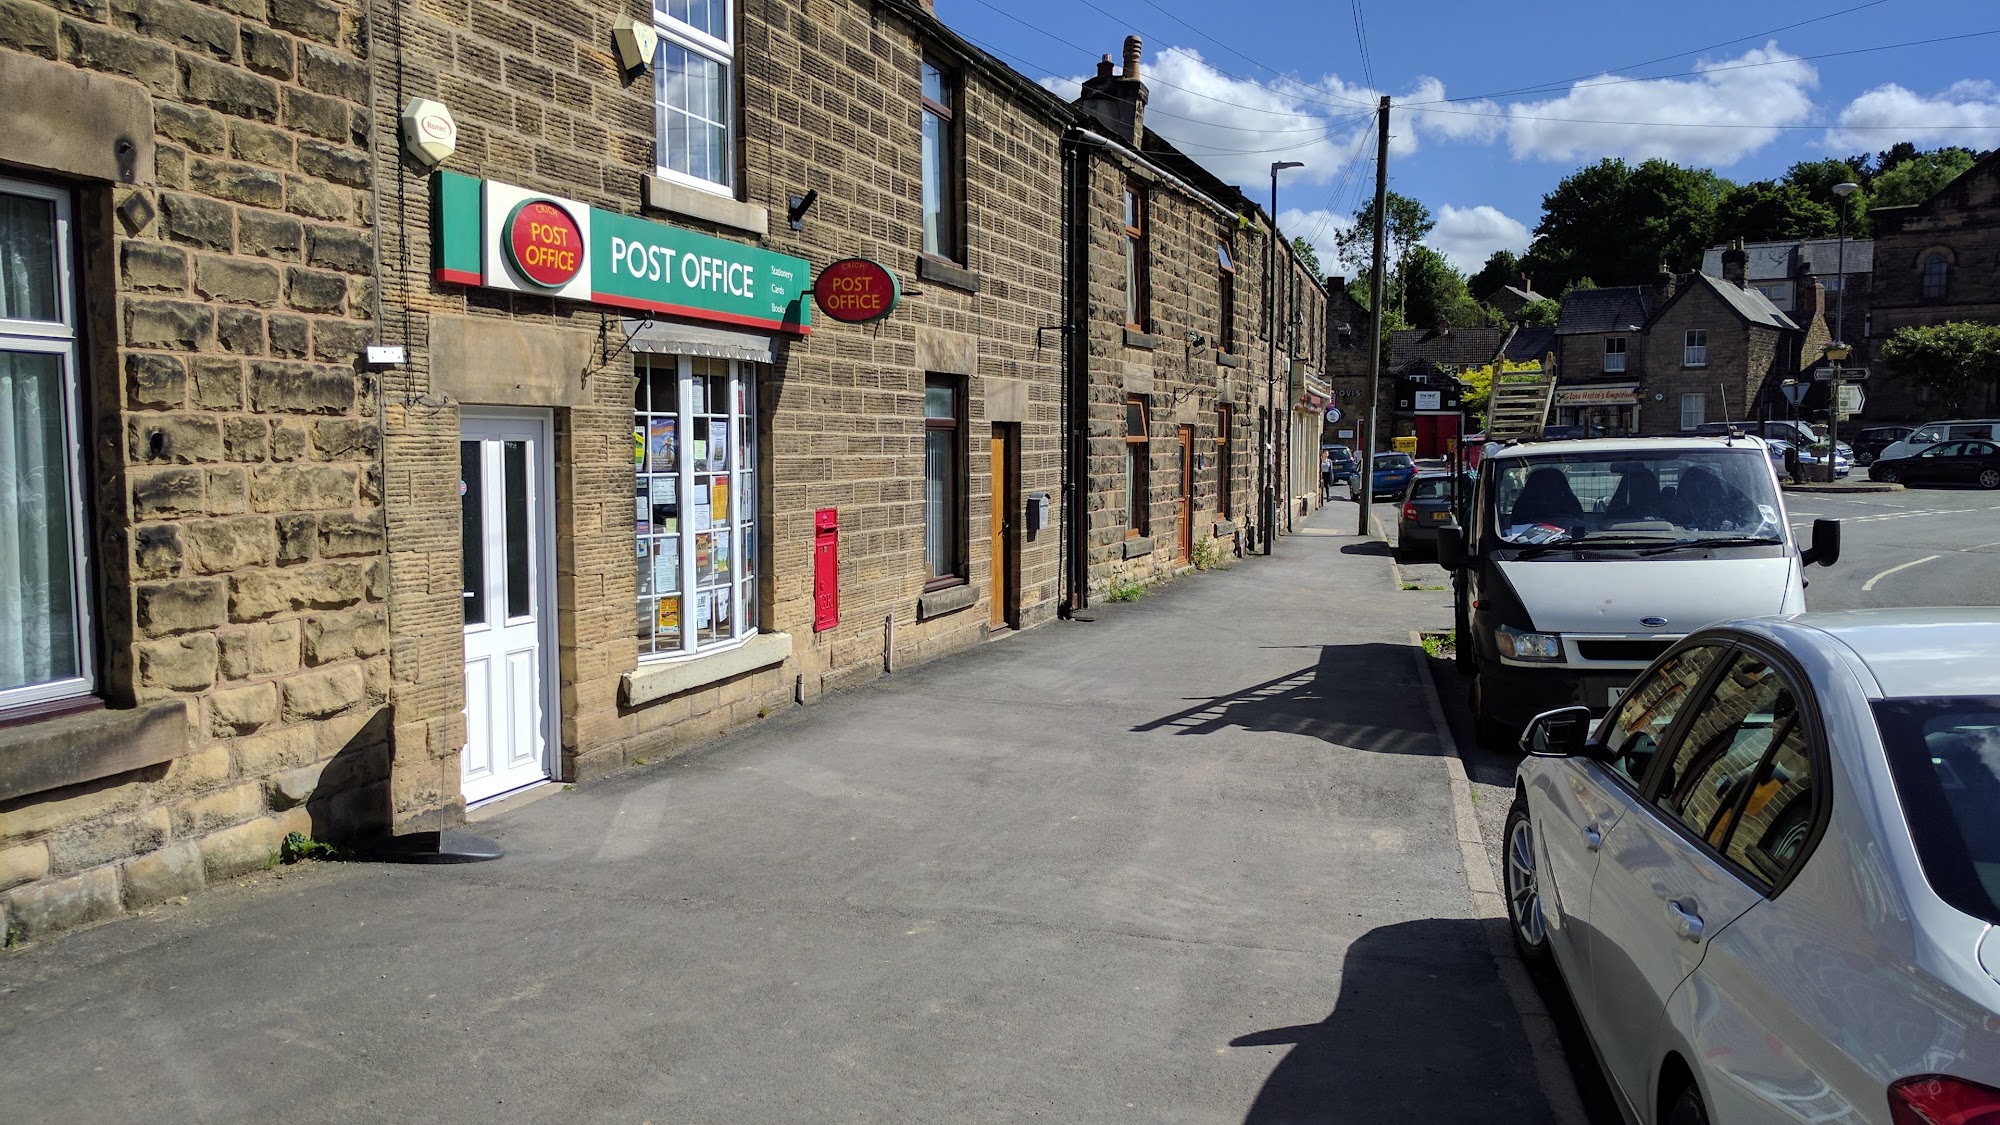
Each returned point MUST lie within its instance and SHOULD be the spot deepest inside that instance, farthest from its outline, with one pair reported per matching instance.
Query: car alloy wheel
(1989, 478)
(1524, 886)
(1688, 1108)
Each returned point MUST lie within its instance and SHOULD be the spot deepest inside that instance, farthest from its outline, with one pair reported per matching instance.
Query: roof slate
(1748, 303)
(1620, 308)
(1457, 347)
(1779, 261)
(1530, 342)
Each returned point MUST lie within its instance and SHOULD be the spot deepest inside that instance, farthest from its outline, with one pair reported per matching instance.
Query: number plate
(1440, 517)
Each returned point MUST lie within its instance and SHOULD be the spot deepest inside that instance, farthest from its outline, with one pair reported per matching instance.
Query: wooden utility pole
(1375, 287)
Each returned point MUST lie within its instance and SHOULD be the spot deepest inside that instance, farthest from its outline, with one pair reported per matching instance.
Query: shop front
(1603, 411)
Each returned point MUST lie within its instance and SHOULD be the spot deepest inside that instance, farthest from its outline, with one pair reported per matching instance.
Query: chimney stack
(1118, 100)
(1664, 285)
(1736, 265)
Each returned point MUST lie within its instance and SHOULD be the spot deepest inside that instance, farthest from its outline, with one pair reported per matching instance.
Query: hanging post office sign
(857, 290)
(500, 236)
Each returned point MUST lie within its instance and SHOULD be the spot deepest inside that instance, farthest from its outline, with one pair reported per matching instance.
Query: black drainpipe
(1076, 375)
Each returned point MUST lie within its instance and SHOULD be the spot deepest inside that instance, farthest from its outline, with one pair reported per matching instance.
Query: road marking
(1980, 546)
(1870, 584)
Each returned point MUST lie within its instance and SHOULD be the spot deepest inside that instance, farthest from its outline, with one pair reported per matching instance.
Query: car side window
(1952, 450)
(1741, 777)
(1640, 723)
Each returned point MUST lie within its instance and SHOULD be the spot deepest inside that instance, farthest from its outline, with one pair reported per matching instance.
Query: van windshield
(1642, 496)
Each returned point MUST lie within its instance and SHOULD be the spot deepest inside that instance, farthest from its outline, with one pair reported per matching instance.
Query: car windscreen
(1945, 757)
(1387, 461)
(1431, 488)
(1636, 494)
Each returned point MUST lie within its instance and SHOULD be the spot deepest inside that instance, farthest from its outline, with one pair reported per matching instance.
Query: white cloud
(1466, 236)
(1720, 115)
(1897, 114)
(1319, 226)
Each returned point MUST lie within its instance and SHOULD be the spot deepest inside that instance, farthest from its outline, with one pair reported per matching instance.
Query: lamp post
(1271, 458)
(1841, 191)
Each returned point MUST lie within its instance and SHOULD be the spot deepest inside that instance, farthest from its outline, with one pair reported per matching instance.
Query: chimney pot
(1104, 67)
(1132, 57)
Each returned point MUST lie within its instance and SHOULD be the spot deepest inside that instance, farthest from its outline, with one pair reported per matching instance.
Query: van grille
(1633, 651)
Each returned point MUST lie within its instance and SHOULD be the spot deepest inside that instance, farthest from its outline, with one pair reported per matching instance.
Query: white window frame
(1694, 411)
(746, 525)
(1619, 363)
(673, 32)
(59, 338)
(1694, 348)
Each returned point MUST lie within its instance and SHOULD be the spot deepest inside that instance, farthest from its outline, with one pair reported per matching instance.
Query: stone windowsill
(661, 194)
(1224, 528)
(951, 599)
(89, 745)
(653, 682)
(1137, 339)
(1138, 546)
(1224, 359)
(947, 273)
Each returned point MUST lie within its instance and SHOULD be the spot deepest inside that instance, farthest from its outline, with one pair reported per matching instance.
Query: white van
(1931, 433)
(1581, 561)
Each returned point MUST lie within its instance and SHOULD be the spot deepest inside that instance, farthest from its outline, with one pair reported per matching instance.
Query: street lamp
(1268, 516)
(1839, 345)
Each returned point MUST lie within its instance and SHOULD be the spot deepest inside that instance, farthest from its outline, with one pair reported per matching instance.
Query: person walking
(1325, 476)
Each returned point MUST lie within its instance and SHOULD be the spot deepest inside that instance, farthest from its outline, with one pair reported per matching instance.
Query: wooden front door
(1006, 467)
(1185, 501)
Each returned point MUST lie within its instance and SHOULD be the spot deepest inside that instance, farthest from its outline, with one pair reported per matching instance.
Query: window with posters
(694, 454)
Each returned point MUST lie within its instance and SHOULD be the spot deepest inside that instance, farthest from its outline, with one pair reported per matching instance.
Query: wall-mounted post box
(826, 569)
(1037, 515)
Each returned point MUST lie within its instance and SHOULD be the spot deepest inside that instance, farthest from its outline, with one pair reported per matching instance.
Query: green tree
(1308, 257)
(1959, 361)
(1767, 211)
(1502, 268)
(1434, 294)
(1919, 177)
(1409, 222)
(1540, 314)
(1619, 222)
(1816, 179)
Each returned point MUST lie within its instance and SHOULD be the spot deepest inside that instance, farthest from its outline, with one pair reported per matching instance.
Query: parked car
(1952, 462)
(1768, 876)
(1808, 460)
(1429, 503)
(1562, 433)
(1800, 434)
(1870, 441)
(1581, 561)
(1343, 462)
(1931, 433)
(1392, 474)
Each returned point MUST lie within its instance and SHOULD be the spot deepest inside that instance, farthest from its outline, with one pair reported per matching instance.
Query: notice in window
(704, 558)
(700, 455)
(669, 621)
(645, 569)
(722, 610)
(666, 564)
(701, 610)
(698, 515)
(721, 554)
(718, 449)
(639, 448)
(718, 499)
(662, 444)
(644, 514)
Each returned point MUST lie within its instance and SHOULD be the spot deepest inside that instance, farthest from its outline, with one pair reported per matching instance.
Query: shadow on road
(1420, 1032)
(1365, 696)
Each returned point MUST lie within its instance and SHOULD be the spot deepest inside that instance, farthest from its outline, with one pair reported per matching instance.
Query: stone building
(193, 641)
(1936, 261)
(1346, 351)
(1786, 272)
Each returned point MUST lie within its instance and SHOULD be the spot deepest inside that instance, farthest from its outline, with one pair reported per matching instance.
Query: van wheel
(1492, 734)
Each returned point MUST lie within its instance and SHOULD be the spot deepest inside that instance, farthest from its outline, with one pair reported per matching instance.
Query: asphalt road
(1920, 547)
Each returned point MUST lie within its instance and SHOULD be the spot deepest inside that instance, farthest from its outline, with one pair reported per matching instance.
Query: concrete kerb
(1839, 487)
(1489, 905)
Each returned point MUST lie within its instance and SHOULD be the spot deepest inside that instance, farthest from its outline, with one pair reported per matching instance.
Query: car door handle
(1592, 839)
(1687, 923)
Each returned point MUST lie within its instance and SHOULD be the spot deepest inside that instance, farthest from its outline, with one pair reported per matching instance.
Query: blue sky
(1536, 90)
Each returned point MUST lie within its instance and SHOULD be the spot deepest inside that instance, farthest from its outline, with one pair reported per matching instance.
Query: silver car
(1771, 875)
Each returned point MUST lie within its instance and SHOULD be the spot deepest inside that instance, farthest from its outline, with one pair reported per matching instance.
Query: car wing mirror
(1561, 733)
(1451, 547)
(1825, 549)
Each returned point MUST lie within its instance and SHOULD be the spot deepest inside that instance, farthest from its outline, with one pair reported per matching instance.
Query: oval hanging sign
(544, 243)
(856, 290)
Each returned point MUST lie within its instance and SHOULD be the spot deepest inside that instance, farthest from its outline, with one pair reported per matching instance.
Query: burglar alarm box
(826, 569)
(1037, 515)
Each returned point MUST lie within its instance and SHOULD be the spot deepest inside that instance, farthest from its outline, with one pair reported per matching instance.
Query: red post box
(826, 569)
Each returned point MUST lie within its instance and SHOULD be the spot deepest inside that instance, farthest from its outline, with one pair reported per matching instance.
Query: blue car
(1393, 473)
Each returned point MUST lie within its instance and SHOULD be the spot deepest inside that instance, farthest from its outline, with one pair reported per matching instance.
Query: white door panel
(510, 707)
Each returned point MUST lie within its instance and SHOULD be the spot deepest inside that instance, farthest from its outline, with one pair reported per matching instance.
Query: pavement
(1195, 860)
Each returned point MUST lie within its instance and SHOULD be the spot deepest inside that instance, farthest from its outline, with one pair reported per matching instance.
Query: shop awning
(669, 338)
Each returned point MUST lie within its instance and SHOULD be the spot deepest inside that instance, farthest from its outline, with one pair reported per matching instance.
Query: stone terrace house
(1347, 328)
(193, 644)
(1716, 350)
(1936, 261)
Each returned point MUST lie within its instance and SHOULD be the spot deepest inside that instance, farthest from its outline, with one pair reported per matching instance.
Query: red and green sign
(856, 290)
(499, 236)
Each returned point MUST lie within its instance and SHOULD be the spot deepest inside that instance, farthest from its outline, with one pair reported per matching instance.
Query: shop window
(693, 84)
(944, 482)
(942, 170)
(1224, 461)
(1694, 348)
(694, 447)
(1614, 353)
(1138, 296)
(1694, 411)
(44, 599)
(1225, 336)
(1935, 268)
(1138, 484)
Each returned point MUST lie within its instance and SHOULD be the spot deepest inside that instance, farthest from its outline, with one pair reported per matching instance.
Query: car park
(1949, 462)
(1767, 876)
(1429, 503)
(1870, 441)
(1932, 433)
(1392, 473)
(1580, 561)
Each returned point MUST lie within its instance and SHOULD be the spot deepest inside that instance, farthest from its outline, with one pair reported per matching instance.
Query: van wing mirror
(1561, 733)
(1451, 547)
(1825, 549)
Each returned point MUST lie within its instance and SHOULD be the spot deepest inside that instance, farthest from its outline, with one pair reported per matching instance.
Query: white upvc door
(505, 493)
